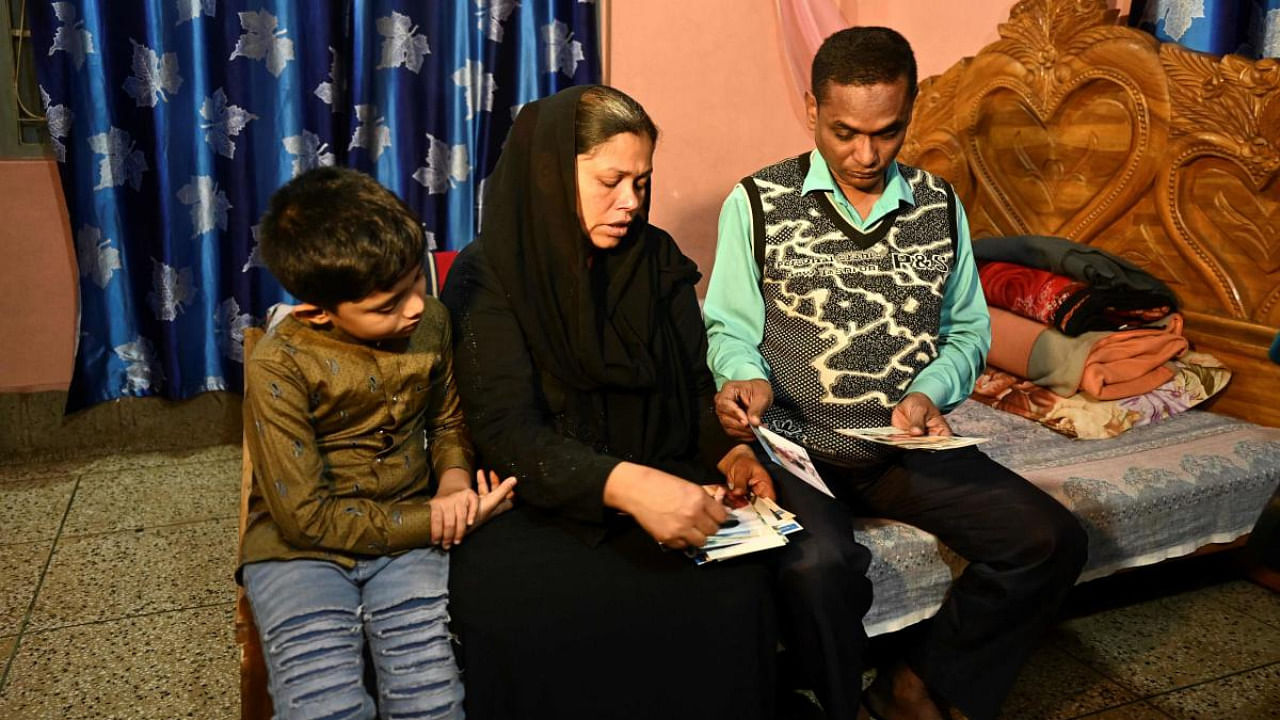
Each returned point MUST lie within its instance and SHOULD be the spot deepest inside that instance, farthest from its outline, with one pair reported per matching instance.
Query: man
(845, 295)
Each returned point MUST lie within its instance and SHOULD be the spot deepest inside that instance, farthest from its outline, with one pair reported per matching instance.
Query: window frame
(12, 146)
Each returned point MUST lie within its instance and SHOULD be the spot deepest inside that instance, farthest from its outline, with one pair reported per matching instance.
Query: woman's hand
(676, 512)
(495, 498)
(457, 509)
(744, 473)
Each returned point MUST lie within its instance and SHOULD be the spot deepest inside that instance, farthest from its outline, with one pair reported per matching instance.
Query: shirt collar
(896, 189)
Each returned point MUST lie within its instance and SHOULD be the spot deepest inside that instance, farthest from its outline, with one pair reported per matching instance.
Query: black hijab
(597, 322)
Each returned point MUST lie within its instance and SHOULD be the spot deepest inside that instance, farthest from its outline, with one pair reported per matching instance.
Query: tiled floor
(116, 589)
(116, 601)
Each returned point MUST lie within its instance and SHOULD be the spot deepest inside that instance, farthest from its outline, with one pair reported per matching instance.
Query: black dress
(563, 608)
(569, 361)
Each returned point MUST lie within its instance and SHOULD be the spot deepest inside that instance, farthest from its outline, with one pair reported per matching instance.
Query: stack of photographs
(757, 525)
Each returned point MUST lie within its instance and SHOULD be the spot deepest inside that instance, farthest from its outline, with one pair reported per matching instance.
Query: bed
(1074, 127)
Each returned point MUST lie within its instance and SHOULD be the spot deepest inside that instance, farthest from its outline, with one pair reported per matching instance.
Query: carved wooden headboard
(1072, 126)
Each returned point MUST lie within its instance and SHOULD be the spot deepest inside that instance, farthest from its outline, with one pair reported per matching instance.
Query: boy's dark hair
(863, 56)
(335, 235)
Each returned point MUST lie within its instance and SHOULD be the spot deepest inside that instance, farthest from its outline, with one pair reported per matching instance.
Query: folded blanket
(1130, 362)
(1092, 266)
(1194, 378)
(1105, 365)
(1071, 306)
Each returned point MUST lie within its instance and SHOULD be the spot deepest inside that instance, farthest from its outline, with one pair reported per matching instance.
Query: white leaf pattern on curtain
(189, 10)
(263, 41)
(152, 77)
(71, 37)
(123, 162)
(58, 121)
(446, 166)
(173, 289)
(225, 121)
(310, 151)
(98, 261)
(402, 46)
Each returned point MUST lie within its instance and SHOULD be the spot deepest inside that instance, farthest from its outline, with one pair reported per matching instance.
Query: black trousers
(1025, 551)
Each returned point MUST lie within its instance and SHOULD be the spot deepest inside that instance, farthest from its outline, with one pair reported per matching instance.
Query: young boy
(345, 540)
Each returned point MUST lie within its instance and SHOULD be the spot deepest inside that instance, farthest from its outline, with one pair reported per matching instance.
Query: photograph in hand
(792, 457)
(751, 526)
(899, 438)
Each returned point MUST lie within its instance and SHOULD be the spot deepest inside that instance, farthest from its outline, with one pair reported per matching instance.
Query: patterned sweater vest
(850, 317)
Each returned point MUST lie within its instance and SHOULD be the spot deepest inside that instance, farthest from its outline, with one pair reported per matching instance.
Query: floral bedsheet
(1156, 492)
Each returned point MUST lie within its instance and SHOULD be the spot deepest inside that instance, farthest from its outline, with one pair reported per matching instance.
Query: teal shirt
(734, 307)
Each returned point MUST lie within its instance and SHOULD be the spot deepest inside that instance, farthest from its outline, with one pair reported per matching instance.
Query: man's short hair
(863, 56)
(335, 235)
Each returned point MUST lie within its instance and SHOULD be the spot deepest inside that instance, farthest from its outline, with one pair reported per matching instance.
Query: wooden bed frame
(1072, 126)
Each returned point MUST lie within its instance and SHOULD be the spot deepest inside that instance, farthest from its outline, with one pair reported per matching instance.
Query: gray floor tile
(171, 665)
(33, 509)
(1056, 686)
(27, 471)
(103, 577)
(1253, 600)
(1171, 642)
(19, 574)
(7, 644)
(147, 496)
(116, 462)
(1136, 711)
(1253, 695)
(80, 462)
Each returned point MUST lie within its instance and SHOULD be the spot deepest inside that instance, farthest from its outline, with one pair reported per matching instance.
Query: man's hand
(676, 512)
(495, 498)
(744, 473)
(917, 415)
(739, 405)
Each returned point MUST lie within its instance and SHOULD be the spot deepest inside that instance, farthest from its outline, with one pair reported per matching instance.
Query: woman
(580, 358)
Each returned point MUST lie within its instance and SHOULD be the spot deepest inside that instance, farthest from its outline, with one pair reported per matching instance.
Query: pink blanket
(1104, 365)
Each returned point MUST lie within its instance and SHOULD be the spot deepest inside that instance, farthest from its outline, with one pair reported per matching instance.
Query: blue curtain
(1220, 27)
(174, 120)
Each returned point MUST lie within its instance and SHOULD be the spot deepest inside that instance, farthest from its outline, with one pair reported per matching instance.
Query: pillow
(436, 264)
(1196, 378)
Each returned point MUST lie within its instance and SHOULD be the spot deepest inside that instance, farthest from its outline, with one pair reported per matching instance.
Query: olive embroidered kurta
(346, 438)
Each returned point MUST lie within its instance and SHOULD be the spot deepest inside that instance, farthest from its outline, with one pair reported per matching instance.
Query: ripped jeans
(314, 617)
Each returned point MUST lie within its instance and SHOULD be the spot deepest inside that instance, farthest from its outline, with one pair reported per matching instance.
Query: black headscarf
(598, 322)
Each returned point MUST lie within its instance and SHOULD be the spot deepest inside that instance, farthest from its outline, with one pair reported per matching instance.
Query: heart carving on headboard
(1066, 170)
(942, 154)
(1226, 221)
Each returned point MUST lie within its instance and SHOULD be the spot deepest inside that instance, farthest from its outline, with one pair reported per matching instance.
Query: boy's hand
(452, 515)
(495, 498)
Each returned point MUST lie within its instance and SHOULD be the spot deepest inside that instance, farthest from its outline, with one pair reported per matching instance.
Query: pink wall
(37, 279)
(712, 74)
